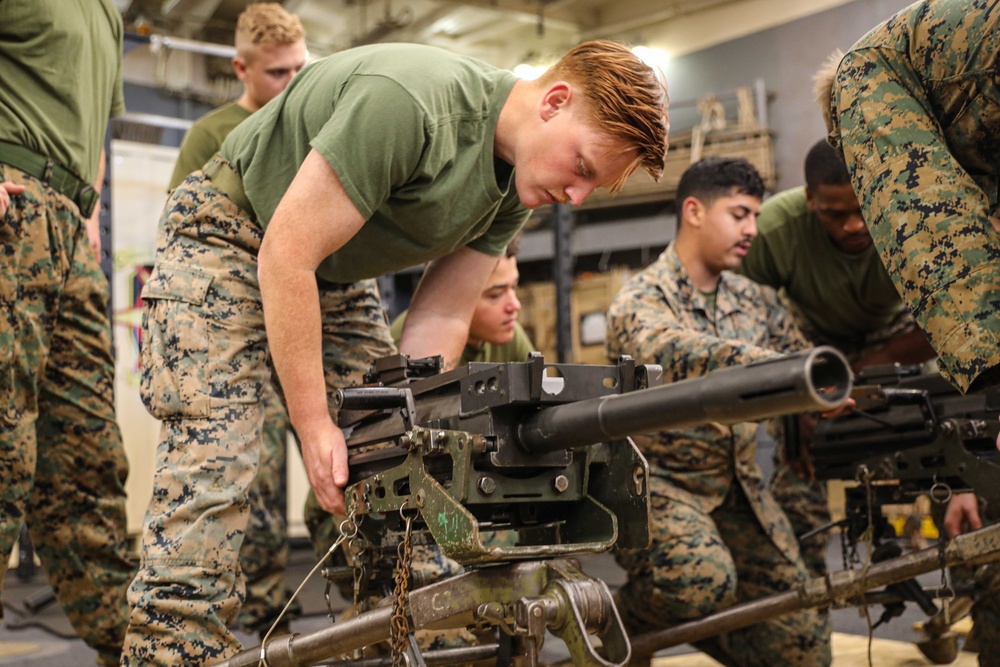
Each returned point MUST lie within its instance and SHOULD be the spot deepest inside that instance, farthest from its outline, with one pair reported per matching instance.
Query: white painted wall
(139, 177)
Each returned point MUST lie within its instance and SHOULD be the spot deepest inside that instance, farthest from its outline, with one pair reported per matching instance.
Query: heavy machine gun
(512, 469)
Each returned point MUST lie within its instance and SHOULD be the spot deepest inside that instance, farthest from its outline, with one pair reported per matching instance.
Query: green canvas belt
(228, 182)
(56, 176)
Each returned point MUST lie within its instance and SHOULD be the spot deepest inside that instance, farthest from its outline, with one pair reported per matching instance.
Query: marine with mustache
(718, 536)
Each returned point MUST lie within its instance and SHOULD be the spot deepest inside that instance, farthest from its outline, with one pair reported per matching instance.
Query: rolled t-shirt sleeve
(374, 140)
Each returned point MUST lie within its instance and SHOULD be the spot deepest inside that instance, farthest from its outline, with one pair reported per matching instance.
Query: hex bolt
(560, 483)
(486, 485)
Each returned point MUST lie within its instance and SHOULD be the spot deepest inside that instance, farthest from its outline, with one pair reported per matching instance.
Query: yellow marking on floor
(14, 649)
(848, 651)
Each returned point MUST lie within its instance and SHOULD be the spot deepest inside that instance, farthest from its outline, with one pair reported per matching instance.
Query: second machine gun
(512, 469)
(910, 434)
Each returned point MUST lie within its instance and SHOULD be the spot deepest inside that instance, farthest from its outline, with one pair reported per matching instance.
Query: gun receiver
(912, 433)
(523, 460)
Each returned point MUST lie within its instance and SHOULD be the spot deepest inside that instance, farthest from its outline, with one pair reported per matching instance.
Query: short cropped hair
(267, 24)
(710, 178)
(629, 99)
(825, 166)
(823, 81)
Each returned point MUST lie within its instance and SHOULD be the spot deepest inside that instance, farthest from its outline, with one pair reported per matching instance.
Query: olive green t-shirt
(516, 350)
(409, 130)
(840, 296)
(204, 139)
(60, 78)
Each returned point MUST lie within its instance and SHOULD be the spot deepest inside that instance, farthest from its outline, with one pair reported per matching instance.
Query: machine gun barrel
(817, 379)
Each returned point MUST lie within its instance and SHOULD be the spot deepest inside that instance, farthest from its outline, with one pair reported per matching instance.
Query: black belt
(59, 178)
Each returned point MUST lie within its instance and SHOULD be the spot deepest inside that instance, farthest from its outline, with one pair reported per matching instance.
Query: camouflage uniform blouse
(916, 109)
(659, 317)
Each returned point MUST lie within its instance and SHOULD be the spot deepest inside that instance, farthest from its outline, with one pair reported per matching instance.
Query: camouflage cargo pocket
(174, 352)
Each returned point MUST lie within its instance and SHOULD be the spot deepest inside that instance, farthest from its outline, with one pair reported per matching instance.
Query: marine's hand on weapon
(848, 404)
(324, 454)
(962, 514)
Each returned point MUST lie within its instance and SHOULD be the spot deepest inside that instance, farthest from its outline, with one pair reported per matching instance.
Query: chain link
(399, 627)
(940, 492)
(945, 593)
(330, 613)
(357, 547)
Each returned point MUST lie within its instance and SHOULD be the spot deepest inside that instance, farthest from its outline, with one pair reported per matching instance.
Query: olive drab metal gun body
(511, 469)
(522, 460)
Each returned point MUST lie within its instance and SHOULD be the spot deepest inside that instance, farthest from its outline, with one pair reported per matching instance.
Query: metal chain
(357, 546)
(941, 493)
(399, 627)
(852, 559)
(865, 477)
(330, 613)
(945, 593)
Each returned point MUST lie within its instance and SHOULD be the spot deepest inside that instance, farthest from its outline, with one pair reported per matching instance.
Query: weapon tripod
(525, 600)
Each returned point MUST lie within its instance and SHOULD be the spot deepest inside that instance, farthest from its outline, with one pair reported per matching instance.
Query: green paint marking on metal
(448, 524)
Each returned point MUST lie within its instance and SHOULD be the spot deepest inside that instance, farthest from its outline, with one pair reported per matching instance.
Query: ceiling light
(529, 72)
(655, 58)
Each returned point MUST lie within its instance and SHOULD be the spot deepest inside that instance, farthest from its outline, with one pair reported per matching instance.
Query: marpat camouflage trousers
(62, 463)
(205, 366)
(264, 554)
(701, 563)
